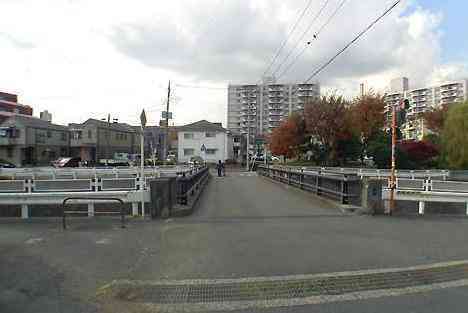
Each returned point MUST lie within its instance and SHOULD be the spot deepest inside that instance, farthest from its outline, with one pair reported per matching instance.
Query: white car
(275, 158)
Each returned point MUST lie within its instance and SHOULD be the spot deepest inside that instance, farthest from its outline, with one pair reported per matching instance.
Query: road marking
(33, 241)
(269, 292)
(103, 241)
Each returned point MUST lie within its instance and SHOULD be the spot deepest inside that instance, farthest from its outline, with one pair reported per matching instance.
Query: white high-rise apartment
(422, 100)
(262, 107)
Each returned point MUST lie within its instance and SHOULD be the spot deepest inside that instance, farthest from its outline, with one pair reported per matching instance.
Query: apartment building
(9, 103)
(422, 100)
(262, 107)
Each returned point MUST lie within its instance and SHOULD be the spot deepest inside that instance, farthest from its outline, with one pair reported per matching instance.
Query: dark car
(67, 162)
(6, 164)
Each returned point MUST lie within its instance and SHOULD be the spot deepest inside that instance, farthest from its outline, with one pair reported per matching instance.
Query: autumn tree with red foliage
(367, 116)
(421, 153)
(286, 138)
(327, 121)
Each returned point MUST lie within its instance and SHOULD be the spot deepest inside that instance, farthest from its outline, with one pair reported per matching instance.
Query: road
(244, 226)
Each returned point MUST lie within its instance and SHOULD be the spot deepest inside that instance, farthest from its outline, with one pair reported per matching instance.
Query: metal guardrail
(367, 172)
(341, 187)
(64, 212)
(429, 190)
(132, 190)
(80, 173)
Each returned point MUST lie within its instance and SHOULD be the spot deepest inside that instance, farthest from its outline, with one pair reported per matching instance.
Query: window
(189, 151)
(188, 135)
(90, 134)
(211, 151)
(64, 136)
(49, 134)
(210, 134)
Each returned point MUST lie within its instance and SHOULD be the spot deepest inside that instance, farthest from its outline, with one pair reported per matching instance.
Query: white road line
(33, 241)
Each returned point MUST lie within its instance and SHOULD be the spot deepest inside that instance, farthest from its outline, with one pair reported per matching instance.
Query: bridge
(251, 245)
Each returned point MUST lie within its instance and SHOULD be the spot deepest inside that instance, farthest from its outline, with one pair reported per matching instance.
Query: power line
(321, 68)
(198, 87)
(330, 18)
(302, 36)
(283, 44)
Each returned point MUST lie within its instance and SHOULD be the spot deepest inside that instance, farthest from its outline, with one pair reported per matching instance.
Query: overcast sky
(87, 58)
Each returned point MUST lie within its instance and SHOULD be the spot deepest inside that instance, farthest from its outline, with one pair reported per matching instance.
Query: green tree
(454, 136)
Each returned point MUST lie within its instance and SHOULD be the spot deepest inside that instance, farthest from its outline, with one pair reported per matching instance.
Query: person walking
(219, 167)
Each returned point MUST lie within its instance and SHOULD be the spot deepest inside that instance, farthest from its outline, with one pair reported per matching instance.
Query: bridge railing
(32, 188)
(377, 173)
(344, 188)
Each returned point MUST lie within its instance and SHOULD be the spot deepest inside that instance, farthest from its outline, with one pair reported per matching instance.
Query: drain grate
(247, 290)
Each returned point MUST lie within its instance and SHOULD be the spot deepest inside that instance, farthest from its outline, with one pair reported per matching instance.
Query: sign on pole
(165, 114)
(143, 119)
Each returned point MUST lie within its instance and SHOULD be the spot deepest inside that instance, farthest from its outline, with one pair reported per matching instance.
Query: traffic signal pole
(393, 168)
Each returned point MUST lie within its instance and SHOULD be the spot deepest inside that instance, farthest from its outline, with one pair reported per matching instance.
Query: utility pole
(248, 139)
(167, 119)
(393, 164)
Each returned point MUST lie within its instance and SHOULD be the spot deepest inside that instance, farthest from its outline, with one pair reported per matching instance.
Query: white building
(422, 100)
(263, 106)
(210, 141)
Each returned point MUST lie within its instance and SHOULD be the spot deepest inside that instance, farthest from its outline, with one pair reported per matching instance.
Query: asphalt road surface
(243, 226)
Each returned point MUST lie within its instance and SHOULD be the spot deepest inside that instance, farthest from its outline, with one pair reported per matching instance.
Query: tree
(420, 153)
(379, 148)
(326, 122)
(367, 117)
(286, 139)
(454, 138)
(434, 119)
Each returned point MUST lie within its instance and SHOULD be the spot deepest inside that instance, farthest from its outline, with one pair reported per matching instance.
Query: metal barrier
(339, 187)
(128, 187)
(12, 186)
(64, 213)
(62, 185)
(119, 184)
(367, 172)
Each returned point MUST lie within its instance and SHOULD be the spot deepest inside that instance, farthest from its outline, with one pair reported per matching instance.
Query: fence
(30, 190)
(430, 190)
(377, 173)
(340, 187)
(346, 187)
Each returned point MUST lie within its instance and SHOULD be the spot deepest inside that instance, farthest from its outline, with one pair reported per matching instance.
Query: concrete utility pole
(167, 119)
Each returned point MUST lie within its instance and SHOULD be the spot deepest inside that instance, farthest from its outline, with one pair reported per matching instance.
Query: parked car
(66, 162)
(196, 160)
(274, 158)
(6, 164)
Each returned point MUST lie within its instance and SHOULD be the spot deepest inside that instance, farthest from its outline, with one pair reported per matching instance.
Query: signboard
(164, 115)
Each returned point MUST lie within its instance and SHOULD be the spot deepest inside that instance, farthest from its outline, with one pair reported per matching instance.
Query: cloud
(87, 58)
(238, 44)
